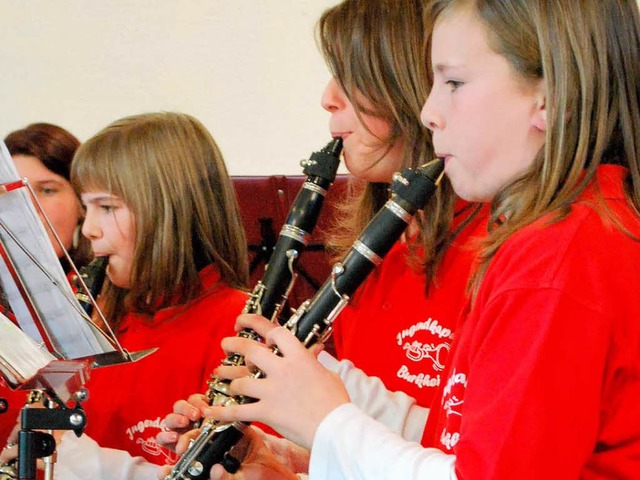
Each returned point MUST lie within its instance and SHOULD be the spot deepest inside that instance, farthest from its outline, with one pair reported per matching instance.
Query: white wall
(248, 69)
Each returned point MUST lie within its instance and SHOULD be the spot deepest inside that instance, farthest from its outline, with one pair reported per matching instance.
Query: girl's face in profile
(487, 122)
(56, 195)
(363, 146)
(110, 226)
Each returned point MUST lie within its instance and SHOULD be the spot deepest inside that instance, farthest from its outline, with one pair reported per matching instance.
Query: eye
(46, 191)
(454, 84)
(107, 208)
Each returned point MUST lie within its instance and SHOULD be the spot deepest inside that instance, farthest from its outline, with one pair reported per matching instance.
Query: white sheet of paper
(20, 356)
(50, 293)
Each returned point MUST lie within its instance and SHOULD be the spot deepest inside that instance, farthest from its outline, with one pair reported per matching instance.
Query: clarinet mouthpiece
(434, 170)
(334, 147)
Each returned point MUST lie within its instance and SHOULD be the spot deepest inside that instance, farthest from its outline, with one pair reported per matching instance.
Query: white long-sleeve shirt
(82, 458)
(395, 411)
(375, 436)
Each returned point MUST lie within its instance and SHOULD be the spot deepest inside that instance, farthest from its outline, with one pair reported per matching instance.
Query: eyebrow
(443, 67)
(100, 198)
(44, 182)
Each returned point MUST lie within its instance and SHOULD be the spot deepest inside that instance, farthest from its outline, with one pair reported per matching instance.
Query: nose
(429, 116)
(333, 97)
(90, 226)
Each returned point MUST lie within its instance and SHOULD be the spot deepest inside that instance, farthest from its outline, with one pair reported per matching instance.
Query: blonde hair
(587, 54)
(168, 170)
(375, 50)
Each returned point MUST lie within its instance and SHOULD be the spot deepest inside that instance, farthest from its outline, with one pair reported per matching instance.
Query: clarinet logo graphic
(147, 442)
(152, 447)
(417, 351)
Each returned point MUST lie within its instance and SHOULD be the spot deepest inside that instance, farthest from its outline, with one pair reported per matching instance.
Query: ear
(539, 116)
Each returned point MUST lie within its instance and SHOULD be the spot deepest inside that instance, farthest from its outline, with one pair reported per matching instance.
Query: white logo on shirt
(152, 447)
(142, 425)
(452, 404)
(149, 444)
(420, 379)
(454, 379)
(448, 439)
(417, 351)
(430, 325)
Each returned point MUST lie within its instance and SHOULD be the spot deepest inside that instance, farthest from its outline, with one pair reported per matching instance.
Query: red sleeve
(551, 354)
(532, 403)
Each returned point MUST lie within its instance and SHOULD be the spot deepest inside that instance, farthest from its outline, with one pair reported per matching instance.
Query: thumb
(316, 349)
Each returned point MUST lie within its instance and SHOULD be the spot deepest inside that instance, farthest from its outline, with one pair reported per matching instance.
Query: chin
(468, 189)
(469, 194)
(116, 281)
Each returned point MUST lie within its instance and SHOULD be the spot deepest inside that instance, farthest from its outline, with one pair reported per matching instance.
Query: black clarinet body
(91, 280)
(270, 294)
(303, 215)
(410, 191)
(312, 322)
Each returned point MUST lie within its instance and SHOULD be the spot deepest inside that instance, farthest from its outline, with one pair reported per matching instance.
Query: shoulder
(584, 254)
(223, 297)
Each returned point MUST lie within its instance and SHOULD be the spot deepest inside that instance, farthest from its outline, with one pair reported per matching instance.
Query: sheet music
(51, 295)
(20, 356)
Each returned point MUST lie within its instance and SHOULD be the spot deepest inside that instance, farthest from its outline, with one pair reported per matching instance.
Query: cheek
(378, 127)
(364, 158)
(64, 216)
(369, 166)
(126, 242)
(358, 155)
(130, 248)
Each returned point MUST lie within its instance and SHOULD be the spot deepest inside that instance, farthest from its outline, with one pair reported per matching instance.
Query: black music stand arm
(33, 444)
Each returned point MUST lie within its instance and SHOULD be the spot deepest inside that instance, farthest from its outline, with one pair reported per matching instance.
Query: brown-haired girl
(160, 204)
(409, 306)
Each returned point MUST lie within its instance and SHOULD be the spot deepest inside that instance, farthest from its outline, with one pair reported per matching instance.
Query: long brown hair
(587, 54)
(54, 147)
(375, 50)
(168, 170)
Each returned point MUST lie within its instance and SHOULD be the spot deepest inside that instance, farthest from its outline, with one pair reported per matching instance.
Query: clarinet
(90, 282)
(313, 321)
(270, 294)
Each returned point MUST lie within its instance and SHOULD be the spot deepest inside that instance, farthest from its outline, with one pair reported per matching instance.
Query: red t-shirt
(390, 313)
(128, 403)
(544, 378)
